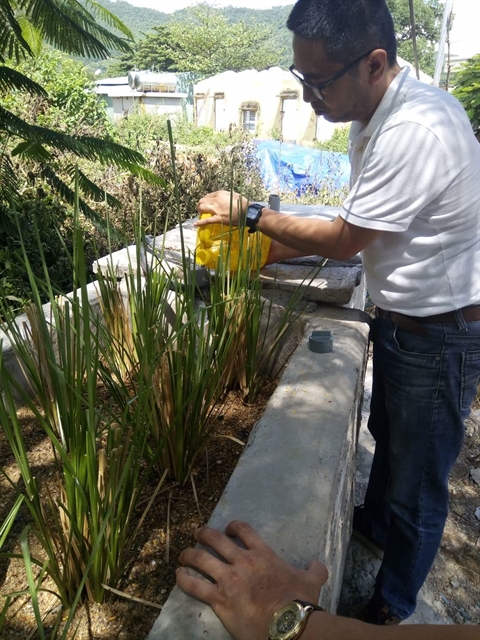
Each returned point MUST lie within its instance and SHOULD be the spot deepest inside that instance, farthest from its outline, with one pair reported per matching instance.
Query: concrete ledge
(9, 353)
(334, 284)
(294, 481)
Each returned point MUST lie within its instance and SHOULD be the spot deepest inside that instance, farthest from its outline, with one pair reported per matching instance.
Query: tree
(71, 26)
(467, 89)
(155, 51)
(428, 17)
(206, 44)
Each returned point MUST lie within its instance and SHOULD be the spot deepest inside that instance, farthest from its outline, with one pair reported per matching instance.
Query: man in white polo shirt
(414, 212)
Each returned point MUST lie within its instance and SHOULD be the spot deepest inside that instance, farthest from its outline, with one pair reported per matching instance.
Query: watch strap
(314, 607)
(254, 212)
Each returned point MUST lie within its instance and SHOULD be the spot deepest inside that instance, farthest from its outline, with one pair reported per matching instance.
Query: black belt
(414, 323)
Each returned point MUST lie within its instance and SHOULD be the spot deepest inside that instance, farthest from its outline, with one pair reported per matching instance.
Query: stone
(475, 475)
(477, 513)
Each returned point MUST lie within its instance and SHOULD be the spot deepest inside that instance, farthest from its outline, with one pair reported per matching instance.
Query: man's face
(348, 98)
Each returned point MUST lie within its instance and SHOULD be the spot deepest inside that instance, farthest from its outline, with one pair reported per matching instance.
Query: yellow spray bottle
(215, 240)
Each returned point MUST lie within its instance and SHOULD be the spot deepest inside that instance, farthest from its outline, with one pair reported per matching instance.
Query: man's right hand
(226, 207)
(251, 583)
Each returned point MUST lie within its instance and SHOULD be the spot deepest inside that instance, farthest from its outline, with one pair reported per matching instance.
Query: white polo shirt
(416, 176)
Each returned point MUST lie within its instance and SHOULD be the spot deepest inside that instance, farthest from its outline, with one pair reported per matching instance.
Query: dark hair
(348, 28)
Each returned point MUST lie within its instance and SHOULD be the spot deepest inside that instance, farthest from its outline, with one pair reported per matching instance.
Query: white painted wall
(265, 88)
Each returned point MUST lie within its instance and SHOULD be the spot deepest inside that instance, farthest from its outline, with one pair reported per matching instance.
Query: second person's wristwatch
(289, 621)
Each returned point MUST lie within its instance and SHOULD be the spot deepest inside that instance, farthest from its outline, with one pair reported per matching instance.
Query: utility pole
(414, 37)
(441, 45)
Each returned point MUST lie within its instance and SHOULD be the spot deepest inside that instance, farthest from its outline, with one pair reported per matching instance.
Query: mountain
(429, 17)
(141, 21)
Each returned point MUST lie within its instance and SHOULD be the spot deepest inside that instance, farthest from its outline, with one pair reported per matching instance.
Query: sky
(465, 36)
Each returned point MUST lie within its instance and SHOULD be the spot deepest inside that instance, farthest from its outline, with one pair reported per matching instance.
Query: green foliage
(467, 89)
(41, 210)
(81, 522)
(142, 131)
(69, 26)
(25, 134)
(162, 360)
(156, 51)
(205, 44)
(428, 20)
(277, 38)
(65, 103)
(337, 143)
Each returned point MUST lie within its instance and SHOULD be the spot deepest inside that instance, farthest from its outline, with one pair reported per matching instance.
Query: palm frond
(11, 37)
(145, 174)
(32, 151)
(10, 123)
(109, 18)
(109, 152)
(90, 189)
(10, 80)
(86, 147)
(8, 180)
(69, 195)
(31, 35)
(68, 26)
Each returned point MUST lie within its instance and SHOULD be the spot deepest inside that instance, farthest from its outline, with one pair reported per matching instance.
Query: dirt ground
(150, 576)
(451, 593)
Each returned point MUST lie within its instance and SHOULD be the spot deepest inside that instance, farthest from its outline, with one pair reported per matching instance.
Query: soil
(152, 574)
(451, 593)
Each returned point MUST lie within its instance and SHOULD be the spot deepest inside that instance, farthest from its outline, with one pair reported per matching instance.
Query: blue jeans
(422, 392)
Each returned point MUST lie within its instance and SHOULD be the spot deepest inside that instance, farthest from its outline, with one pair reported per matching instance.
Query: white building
(154, 93)
(268, 104)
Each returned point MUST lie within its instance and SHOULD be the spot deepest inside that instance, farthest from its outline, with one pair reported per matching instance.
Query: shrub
(338, 142)
(467, 89)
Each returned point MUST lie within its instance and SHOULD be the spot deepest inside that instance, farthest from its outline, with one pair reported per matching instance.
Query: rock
(472, 424)
(477, 544)
(455, 583)
(477, 513)
(475, 416)
(475, 475)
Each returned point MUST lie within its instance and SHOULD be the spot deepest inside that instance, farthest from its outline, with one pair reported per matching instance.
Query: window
(249, 122)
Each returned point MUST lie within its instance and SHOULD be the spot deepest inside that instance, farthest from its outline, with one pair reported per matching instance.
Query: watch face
(287, 622)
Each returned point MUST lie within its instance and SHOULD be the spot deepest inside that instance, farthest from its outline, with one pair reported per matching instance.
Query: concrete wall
(151, 103)
(274, 94)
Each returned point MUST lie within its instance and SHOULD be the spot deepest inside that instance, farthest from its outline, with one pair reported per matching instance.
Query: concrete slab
(330, 285)
(9, 354)
(334, 284)
(294, 481)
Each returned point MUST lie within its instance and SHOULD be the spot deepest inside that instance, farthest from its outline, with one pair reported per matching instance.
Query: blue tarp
(291, 167)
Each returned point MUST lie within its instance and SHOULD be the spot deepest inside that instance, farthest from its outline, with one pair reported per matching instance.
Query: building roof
(251, 74)
(110, 82)
(127, 92)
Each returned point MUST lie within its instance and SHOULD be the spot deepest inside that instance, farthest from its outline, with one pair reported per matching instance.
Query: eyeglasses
(317, 89)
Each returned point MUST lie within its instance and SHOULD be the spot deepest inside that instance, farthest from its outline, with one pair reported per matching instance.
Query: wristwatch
(288, 622)
(254, 212)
